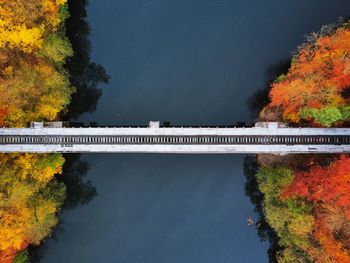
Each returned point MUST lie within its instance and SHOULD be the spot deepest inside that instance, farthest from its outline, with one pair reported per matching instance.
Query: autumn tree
(34, 87)
(312, 90)
(33, 84)
(328, 188)
(290, 218)
(30, 198)
(309, 205)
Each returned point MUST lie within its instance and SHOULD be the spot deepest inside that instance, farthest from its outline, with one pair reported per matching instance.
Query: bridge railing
(163, 125)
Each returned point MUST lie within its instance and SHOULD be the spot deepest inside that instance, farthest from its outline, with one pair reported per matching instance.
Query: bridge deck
(176, 140)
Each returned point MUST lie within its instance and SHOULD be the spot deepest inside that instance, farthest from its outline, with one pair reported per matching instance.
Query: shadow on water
(260, 98)
(85, 76)
(79, 191)
(264, 230)
(256, 103)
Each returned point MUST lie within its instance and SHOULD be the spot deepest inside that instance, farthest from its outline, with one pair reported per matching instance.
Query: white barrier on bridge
(178, 149)
(155, 130)
(176, 131)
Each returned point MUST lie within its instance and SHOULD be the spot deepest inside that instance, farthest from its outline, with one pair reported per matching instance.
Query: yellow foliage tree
(27, 207)
(33, 86)
(26, 39)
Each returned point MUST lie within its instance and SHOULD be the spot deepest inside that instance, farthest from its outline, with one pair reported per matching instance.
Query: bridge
(271, 138)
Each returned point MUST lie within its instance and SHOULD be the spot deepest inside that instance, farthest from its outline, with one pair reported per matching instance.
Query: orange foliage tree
(313, 87)
(313, 92)
(329, 184)
(328, 188)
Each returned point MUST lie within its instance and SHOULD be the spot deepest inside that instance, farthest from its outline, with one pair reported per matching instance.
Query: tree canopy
(34, 86)
(313, 89)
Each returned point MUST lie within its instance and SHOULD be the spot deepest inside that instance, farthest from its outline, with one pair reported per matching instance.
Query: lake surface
(190, 62)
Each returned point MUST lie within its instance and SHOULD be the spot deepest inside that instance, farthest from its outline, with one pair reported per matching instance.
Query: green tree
(22, 257)
(56, 48)
(291, 218)
(325, 116)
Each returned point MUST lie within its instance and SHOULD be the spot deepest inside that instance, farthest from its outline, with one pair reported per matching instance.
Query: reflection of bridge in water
(263, 138)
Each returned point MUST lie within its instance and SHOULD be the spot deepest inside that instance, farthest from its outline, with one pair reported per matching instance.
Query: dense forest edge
(303, 201)
(46, 74)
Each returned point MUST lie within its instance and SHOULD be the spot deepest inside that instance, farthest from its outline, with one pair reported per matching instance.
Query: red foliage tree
(328, 188)
(317, 77)
(329, 184)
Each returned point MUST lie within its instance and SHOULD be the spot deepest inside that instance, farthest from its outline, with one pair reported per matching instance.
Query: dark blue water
(187, 62)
